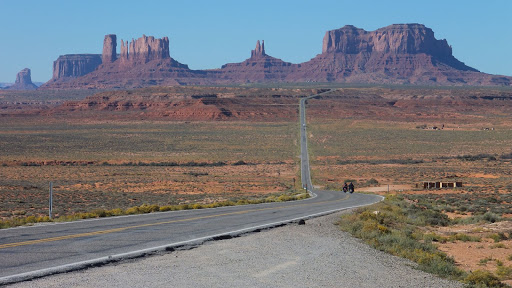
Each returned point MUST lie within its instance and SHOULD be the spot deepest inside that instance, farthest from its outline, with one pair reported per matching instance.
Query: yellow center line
(79, 235)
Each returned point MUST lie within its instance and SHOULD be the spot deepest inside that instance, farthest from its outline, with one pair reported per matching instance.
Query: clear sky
(206, 34)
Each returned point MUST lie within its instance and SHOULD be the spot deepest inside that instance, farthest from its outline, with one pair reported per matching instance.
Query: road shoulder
(317, 254)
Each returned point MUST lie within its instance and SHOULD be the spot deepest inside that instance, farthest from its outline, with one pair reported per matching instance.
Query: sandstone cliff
(399, 39)
(145, 49)
(23, 81)
(75, 65)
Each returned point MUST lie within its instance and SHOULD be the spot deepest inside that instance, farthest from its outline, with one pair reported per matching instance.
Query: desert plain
(185, 145)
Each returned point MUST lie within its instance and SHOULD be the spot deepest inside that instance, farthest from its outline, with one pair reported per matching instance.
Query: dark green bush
(491, 217)
(372, 182)
(506, 156)
(498, 237)
(477, 157)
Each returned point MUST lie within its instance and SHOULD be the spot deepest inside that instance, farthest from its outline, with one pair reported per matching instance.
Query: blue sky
(207, 34)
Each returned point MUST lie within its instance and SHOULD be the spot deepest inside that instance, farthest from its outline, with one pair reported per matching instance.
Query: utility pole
(50, 211)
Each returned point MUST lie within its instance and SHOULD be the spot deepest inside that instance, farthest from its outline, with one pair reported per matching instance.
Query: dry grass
(398, 153)
(107, 166)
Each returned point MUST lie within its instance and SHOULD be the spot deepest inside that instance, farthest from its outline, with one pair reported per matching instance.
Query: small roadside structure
(439, 185)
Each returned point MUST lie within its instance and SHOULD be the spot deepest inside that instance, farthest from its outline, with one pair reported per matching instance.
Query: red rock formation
(187, 103)
(259, 51)
(397, 39)
(145, 49)
(142, 62)
(124, 50)
(259, 68)
(397, 54)
(402, 38)
(23, 81)
(75, 65)
(109, 49)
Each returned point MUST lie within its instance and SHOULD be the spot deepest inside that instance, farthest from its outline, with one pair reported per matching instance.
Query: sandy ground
(386, 188)
(317, 254)
(481, 255)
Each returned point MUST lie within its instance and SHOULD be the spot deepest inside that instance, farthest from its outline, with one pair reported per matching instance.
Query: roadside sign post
(51, 201)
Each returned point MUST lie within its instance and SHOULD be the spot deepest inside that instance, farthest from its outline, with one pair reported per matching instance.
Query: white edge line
(138, 253)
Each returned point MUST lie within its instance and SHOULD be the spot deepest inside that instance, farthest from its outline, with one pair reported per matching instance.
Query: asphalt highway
(36, 251)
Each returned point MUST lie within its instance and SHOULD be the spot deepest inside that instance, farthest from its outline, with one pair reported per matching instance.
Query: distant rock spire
(109, 54)
(23, 81)
(124, 50)
(260, 49)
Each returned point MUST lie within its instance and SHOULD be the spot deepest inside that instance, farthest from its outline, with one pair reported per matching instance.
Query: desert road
(36, 251)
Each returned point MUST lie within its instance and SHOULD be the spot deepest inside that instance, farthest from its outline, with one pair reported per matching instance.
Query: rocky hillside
(187, 103)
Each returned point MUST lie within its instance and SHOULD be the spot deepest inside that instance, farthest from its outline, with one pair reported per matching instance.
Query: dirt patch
(493, 250)
(478, 229)
(452, 215)
(386, 188)
(488, 176)
(471, 256)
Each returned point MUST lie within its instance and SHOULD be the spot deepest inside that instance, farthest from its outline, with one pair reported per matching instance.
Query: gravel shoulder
(317, 254)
